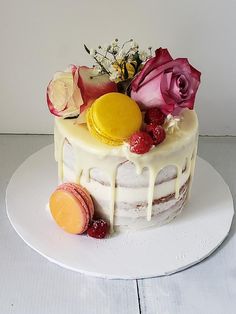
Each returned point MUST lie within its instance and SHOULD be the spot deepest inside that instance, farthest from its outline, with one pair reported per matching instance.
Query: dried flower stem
(104, 69)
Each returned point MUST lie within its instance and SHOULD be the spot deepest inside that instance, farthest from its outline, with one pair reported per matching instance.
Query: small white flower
(133, 44)
(97, 69)
(171, 124)
(92, 52)
(99, 58)
(106, 62)
(131, 54)
(106, 47)
(111, 69)
(121, 54)
(134, 50)
(143, 55)
(114, 75)
(114, 43)
(114, 49)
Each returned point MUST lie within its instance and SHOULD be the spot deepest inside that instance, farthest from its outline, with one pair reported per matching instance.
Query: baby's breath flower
(134, 50)
(143, 55)
(111, 68)
(130, 58)
(121, 54)
(150, 50)
(93, 52)
(105, 47)
(171, 124)
(131, 54)
(97, 69)
(114, 49)
(114, 43)
(134, 45)
(106, 63)
(99, 58)
(119, 61)
(114, 75)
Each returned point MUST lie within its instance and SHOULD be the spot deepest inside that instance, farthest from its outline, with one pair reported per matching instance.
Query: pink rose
(69, 93)
(166, 83)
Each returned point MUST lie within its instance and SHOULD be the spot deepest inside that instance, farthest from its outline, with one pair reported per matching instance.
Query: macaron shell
(98, 134)
(80, 191)
(113, 118)
(117, 115)
(69, 211)
(88, 200)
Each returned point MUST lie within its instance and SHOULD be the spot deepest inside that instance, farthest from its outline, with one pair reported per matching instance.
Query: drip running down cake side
(126, 137)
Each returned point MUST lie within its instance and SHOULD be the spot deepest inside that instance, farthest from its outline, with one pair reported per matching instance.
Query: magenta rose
(166, 83)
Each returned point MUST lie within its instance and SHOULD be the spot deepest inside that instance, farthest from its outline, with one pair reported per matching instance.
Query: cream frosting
(179, 149)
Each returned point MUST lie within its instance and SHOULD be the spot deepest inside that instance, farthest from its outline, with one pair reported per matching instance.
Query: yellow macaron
(113, 118)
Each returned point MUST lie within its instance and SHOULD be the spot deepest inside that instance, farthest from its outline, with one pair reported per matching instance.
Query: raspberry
(98, 229)
(140, 142)
(154, 115)
(157, 133)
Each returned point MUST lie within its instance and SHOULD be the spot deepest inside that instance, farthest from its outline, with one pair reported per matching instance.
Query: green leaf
(134, 65)
(126, 73)
(72, 117)
(86, 48)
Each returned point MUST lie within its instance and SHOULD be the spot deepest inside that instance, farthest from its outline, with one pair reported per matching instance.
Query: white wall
(37, 38)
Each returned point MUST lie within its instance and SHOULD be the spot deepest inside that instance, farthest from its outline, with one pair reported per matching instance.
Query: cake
(126, 132)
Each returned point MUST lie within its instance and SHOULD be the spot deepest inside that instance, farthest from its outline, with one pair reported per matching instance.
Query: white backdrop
(39, 38)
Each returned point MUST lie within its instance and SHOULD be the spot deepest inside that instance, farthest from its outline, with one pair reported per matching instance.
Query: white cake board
(191, 237)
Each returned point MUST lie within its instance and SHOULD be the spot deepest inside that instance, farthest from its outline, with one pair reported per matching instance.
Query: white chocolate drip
(192, 167)
(152, 179)
(59, 144)
(178, 149)
(177, 181)
(113, 197)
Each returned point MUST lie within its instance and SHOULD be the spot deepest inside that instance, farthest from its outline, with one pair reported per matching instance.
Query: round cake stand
(192, 236)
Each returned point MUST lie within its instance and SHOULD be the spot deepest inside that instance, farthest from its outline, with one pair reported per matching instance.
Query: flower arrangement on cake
(129, 117)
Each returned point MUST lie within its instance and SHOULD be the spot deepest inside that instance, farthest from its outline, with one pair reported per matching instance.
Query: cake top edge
(80, 137)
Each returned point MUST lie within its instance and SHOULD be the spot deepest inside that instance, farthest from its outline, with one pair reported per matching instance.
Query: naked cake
(126, 133)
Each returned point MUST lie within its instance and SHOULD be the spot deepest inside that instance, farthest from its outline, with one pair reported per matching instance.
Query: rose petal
(167, 67)
(195, 73)
(82, 118)
(162, 57)
(92, 87)
(182, 67)
(76, 97)
(167, 108)
(149, 93)
(63, 95)
(52, 109)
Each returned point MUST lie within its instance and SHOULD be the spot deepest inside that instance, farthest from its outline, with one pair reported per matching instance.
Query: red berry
(140, 142)
(154, 115)
(157, 133)
(98, 229)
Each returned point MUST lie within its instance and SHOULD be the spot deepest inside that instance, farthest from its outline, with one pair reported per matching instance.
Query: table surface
(30, 284)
